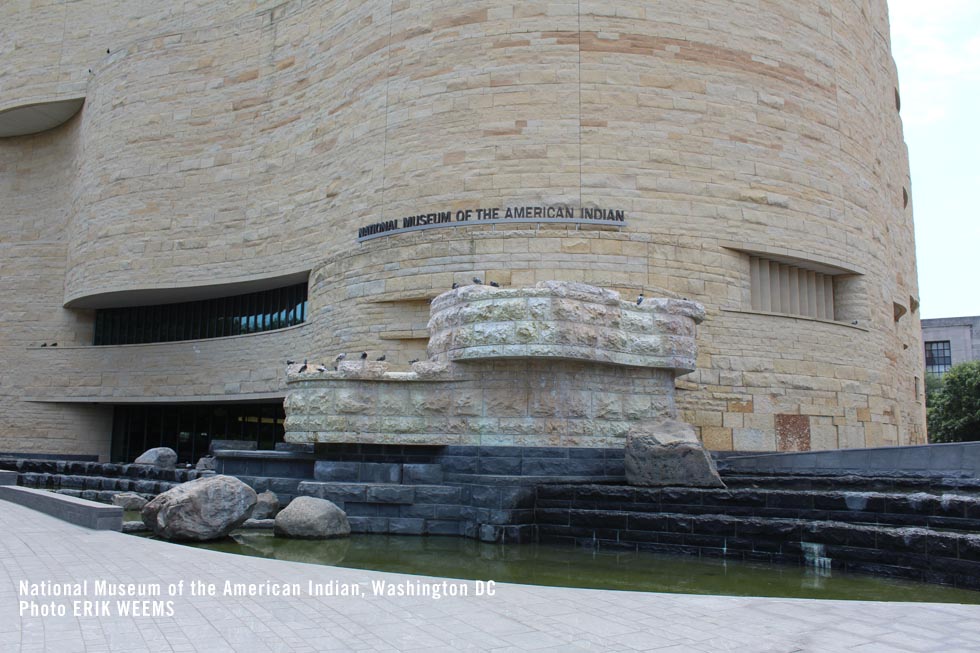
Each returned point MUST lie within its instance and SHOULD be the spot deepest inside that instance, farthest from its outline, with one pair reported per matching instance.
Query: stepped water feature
(910, 526)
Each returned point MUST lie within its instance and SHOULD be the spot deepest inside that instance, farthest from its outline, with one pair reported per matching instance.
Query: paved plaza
(41, 551)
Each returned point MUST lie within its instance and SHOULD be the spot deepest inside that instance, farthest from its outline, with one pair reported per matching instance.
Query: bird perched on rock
(289, 362)
(478, 281)
(381, 357)
(363, 355)
(414, 360)
(340, 358)
(455, 285)
(639, 300)
(44, 345)
(54, 344)
(321, 368)
(303, 367)
(494, 284)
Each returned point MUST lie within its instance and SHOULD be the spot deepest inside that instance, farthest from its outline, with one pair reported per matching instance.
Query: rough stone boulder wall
(158, 457)
(667, 453)
(203, 509)
(312, 519)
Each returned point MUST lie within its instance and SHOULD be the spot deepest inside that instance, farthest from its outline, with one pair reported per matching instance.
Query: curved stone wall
(531, 403)
(223, 142)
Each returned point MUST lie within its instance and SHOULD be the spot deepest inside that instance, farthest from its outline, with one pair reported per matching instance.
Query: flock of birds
(336, 362)
(479, 282)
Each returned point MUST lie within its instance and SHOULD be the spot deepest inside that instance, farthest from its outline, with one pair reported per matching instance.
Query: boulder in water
(313, 519)
(203, 509)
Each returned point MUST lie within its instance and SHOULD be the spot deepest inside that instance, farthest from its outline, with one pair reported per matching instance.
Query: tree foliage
(953, 408)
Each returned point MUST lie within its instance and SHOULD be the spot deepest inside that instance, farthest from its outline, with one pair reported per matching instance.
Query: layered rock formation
(558, 364)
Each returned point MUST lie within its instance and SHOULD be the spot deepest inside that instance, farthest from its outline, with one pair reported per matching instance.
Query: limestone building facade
(172, 172)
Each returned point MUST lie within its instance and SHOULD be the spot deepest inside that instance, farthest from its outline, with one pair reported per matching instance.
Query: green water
(566, 566)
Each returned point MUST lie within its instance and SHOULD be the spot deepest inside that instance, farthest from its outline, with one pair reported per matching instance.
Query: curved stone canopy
(563, 320)
(24, 119)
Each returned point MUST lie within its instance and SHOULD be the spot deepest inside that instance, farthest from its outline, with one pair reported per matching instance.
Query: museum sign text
(466, 217)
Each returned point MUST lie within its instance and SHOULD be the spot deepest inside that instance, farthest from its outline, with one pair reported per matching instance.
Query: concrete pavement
(39, 553)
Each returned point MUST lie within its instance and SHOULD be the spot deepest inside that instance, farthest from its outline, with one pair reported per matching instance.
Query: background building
(182, 186)
(949, 341)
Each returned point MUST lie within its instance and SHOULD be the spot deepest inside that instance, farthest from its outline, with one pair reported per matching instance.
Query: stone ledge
(947, 459)
(80, 512)
(795, 317)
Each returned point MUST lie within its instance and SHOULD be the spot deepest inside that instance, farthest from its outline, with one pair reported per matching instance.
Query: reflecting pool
(567, 566)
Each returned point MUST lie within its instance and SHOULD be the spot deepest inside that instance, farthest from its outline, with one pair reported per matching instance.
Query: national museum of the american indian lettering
(370, 232)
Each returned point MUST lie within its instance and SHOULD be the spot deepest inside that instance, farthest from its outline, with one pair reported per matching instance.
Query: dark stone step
(920, 553)
(951, 512)
(107, 470)
(46, 481)
(893, 484)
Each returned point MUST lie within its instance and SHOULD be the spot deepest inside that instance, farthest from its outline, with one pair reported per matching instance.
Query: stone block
(500, 466)
(792, 432)
(380, 473)
(336, 492)
(232, 445)
(390, 494)
(329, 470)
(423, 474)
(368, 524)
(441, 527)
(438, 494)
(747, 439)
(406, 526)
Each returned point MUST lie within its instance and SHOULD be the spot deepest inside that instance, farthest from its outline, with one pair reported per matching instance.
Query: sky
(936, 45)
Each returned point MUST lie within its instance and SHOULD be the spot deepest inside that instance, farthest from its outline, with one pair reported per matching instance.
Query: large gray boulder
(267, 506)
(313, 519)
(129, 501)
(205, 463)
(164, 457)
(667, 453)
(203, 509)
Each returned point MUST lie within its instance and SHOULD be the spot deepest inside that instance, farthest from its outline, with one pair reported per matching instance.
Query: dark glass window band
(210, 318)
(189, 429)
